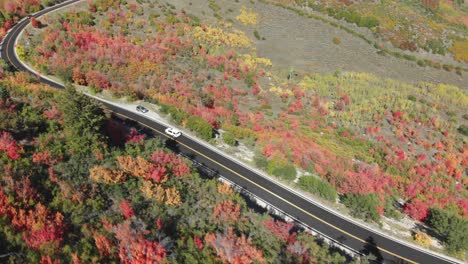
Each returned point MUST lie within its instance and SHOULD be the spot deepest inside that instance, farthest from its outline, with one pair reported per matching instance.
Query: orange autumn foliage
(101, 174)
(138, 167)
(224, 188)
(152, 191)
(103, 244)
(226, 211)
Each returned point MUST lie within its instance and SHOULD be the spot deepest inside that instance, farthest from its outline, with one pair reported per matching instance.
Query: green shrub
(286, 172)
(390, 210)
(257, 35)
(213, 6)
(412, 98)
(362, 206)
(317, 186)
(229, 139)
(194, 20)
(447, 67)
(240, 132)
(200, 126)
(436, 46)
(249, 79)
(409, 57)
(260, 160)
(336, 40)
(463, 129)
(177, 115)
(368, 22)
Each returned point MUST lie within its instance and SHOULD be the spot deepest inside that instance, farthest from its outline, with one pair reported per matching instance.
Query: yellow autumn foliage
(216, 36)
(152, 191)
(252, 62)
(279, 91)
(172, 196)
(169, 196)
(422, 239)
(460, 50)
(247, 16)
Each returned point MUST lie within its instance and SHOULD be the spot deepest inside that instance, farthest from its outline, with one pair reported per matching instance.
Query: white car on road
(173, 132)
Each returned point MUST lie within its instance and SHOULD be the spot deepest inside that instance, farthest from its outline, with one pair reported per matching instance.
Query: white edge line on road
(246, 166)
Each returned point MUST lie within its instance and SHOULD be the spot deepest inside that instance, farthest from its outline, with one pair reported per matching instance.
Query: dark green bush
(4, 94)
(463, 129)
(260, 160)
(390, 210)
(450, 227)
(257, 35)
(362, 206)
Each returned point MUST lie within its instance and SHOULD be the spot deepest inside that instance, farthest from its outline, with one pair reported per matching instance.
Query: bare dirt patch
(306, 44)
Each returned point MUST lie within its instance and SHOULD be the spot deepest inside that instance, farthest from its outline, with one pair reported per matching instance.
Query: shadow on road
(373, 252)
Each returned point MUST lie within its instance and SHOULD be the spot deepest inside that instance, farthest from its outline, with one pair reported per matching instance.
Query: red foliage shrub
(8, 145)
(281, 229)
(417, 209)
(43, 157)
(34, 22)
(233, 249)
(134, 248)
(172, 162)
(48, 260)
(126, 209)
(38, 225)
(198, 242)
(134, 137)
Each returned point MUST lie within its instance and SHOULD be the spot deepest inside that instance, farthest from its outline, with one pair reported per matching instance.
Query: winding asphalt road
(350, 234)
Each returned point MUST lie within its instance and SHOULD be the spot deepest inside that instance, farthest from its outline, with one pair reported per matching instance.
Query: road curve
(348, 233)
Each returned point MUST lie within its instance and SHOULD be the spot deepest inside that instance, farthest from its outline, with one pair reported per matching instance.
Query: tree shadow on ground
(372, 251)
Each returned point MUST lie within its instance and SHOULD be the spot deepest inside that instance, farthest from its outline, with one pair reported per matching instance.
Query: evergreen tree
(83, 122)
(4, 94)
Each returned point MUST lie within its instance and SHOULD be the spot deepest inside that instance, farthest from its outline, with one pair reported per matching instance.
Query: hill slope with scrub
(396, 147)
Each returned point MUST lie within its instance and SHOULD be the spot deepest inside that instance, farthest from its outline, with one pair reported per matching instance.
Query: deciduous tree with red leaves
(134, 248)
(103, 244)
(417, 209)
(233, 249)
(34, 22)
(126, 209)
(281, 229)
(226, 212)
(8, 145)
